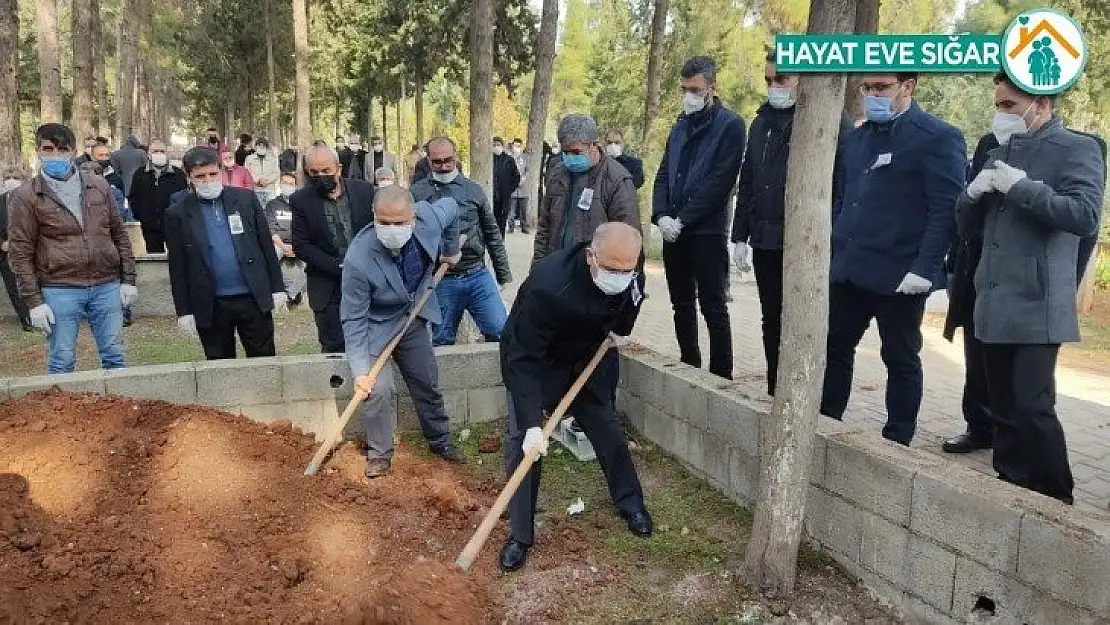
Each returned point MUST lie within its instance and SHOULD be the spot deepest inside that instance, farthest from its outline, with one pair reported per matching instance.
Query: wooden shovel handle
(336, 435)
(470, 552)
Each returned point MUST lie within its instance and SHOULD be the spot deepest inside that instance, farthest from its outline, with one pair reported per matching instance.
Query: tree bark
(418, 96)
(385, 125)
(481, 94)
(770, 564)
(50, 72)
(655, 59)
(301, 123)
(10, 139)
(1085, 300)
(103, 125)
(126, 45)
(541, 97)
(271, 102)
(400, 107)
(867, 22)
(82, 119)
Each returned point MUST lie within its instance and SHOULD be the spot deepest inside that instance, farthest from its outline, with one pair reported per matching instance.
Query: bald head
(393, 206)
(321, 160)
(616, 247)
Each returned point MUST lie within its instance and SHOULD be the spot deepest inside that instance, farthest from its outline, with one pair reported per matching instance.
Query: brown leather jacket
(48, 247)
(614, 200)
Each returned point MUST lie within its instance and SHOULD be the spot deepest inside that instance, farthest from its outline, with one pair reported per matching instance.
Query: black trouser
(697, 274)
(768, 280)
(502, 209)
(13, 289)
(976, 400)
(329, 330)
(595, 413)
(154, 238)
(1029, 445)
(851, 310)
(238, 314)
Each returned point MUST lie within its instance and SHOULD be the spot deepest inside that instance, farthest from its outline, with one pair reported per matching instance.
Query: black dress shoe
(639, 523)
(26, 323)
(513, 555)
(450, 453)
(966, 443)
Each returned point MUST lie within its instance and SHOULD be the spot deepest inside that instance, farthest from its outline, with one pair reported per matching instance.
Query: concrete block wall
(934, 538)
(311, 391)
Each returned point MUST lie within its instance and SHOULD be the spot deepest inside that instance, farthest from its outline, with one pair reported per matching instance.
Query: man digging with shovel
(388, 267)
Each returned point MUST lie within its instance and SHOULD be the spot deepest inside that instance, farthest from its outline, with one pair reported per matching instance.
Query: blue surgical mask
(56, 167)
(576, 163)
(878, 108)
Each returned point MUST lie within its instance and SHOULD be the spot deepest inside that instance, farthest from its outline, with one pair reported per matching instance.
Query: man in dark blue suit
(893, 219)
(327, 214)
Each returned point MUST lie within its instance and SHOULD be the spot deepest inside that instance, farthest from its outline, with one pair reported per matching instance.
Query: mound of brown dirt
(117, 510)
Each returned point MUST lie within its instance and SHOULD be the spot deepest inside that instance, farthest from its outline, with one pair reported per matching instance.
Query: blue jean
(99, 305)
(477, 293)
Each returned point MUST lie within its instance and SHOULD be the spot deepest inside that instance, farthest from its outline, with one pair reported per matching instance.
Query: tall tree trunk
(385, 126)
(126, 45)
(369, 119)
(103, 125)
(271, 101)
(866, 23)
(50, 72)
(10, 140)
(481, 94)
(541, 96)
(400, 146)
(770, 563)
(301, 124)
(655, 59)
(82, 119)
(418, 96)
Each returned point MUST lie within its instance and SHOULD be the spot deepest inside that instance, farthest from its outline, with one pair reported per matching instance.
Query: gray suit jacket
(375, 302)
(1025, 281)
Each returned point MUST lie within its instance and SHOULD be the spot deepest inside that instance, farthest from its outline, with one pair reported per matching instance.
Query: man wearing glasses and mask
(893, 218)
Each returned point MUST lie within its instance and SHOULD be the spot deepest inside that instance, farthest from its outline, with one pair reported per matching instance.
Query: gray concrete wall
(930, 536)
(152, 276)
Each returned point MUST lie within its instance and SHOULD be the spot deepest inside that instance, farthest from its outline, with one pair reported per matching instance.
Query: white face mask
(288, 189)
(780, 97)
(378, 147)
(1005, 125)
(158, 160)
(692, 103)
(393, 237)
(260, 151)
(498, 150)
(614, 149)
(12, 184)
(385, 183)
(613, 282)
(209, 190)
(445, 178)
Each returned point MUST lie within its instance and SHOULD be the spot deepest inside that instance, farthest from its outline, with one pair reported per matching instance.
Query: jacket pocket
(1035, 278)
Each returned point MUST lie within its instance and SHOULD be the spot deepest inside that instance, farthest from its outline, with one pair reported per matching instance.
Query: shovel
(470, 552)
(336, 435)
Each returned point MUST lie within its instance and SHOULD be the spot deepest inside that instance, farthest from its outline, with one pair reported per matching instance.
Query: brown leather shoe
(377, 467)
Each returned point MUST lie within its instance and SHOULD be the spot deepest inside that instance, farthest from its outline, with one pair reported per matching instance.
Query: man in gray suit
(388, 266)
(1040, 192)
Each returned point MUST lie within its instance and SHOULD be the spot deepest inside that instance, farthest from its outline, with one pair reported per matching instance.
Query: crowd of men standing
(1008, 233)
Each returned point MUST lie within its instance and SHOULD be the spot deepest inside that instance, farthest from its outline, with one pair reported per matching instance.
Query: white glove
(1006, 176)
(913, 284)
(618, 340)
(279, 251)
(740, 253)
(187, 326)
(534, 440)
(669, 227)
(281, 301)
(128, 295)
(42, 317)
(983, 183)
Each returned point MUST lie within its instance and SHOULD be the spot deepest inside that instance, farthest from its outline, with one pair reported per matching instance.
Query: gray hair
(384, 172)
(618, 230)
(393, 195)
(577, 127)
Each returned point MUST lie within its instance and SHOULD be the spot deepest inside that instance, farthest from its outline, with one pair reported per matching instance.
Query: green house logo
(1044, 51)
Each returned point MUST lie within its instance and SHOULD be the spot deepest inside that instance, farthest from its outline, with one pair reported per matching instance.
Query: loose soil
(116, 510)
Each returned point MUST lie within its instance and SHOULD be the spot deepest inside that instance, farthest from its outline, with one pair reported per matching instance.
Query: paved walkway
(1083, 399)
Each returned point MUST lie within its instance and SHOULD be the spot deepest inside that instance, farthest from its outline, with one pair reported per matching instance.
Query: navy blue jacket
(700, 198)
(895, 211)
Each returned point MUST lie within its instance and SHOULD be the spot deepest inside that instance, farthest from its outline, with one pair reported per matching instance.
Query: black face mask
(213, 140)
(105, 164)
(324, 185)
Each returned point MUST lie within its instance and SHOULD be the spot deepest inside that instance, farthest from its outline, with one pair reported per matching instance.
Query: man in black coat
(506, 178)
(346, 155)
(614, 146)
(151, 191)
(327, 214)
(12, 178)
(572, 301)
(224, 272)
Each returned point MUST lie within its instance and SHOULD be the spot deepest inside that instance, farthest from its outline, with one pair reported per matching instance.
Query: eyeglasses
(439, 162)
(878, 87)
